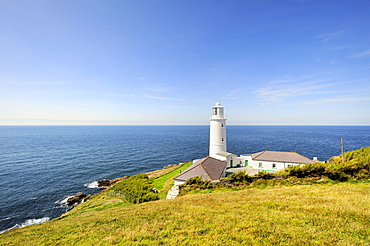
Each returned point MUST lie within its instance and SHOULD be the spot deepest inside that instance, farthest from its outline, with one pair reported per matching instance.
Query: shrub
(195, 183)
(307, 170)
(337, 175)
(240, 177)
(356, 165)
(363, 174)
(137, 188)
(198, 183)
(264, 175)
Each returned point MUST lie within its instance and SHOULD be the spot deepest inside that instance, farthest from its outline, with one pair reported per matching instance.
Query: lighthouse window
(222, 139)
(222, 125)
(215, 111)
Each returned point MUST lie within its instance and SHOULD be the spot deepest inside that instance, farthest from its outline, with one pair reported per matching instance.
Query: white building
(273, 160)
(263, 160)
(217, 128)
(217, 136)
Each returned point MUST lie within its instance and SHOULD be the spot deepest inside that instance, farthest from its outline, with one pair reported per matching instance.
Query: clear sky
(167, 62)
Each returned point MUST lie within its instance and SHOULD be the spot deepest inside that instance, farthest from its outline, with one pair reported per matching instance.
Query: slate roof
(281, 156)
(208, 168)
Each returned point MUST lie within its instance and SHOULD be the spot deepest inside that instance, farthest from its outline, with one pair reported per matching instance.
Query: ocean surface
(41, 166)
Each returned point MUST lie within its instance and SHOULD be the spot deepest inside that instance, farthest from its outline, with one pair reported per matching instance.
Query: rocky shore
(80, 197)
(106, 182)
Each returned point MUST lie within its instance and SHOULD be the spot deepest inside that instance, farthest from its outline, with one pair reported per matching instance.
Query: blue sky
(167, 62)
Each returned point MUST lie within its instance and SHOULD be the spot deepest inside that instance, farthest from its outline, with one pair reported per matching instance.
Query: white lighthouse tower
(217, 136)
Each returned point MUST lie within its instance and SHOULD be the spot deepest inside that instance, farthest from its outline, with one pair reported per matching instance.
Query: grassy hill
(311, 206)
(308, 214)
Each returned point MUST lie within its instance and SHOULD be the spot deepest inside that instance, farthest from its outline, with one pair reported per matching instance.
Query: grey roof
(208, 168)
(281, 156)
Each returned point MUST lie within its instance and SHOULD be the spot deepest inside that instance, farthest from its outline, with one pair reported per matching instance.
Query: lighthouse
(217, 136)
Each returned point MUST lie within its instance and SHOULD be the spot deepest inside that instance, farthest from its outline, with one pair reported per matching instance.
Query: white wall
(268, 165)
(241, 160)
(179, 182)
(217, 137)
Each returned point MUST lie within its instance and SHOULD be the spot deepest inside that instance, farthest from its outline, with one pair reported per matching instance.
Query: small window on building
(222, 139)
(222, 125)
(215, 111)
(260, 164)
(273, 165)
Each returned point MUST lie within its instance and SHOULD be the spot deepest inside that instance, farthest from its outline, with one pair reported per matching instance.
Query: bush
(363, 174)
(137, 188)
(308, 170)
(195, 183)
(356, 165)
(198, 183)
(264, 175)
(337, 175)
(240, 177)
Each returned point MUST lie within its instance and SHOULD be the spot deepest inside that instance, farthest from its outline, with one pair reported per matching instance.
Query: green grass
(335, 214)
(163, 182)
(293, 211)
(103, 201)
(95, 203)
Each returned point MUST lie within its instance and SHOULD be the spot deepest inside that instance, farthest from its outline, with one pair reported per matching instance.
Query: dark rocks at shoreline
(103, 183)
(107, 183)
(80, 197)
(76, 199)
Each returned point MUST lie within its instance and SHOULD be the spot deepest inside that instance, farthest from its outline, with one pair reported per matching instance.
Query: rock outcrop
(103, 183)
(76, 199)
(107, 183)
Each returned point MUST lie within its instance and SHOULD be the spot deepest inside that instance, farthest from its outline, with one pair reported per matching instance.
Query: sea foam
(63, 201)
(93, 185)
(28, 222)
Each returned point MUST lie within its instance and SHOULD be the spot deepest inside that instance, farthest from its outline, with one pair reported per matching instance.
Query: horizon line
(182, 125)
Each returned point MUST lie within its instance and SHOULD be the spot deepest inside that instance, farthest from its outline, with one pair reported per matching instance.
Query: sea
(42, 166)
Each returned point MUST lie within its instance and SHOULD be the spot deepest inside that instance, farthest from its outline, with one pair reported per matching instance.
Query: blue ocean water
(41, 166)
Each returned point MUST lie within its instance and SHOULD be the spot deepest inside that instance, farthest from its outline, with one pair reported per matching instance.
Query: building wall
(178, 182)
(243, 161)
(234, 161)
(246, 160)
(217, 137)
(271, 166)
